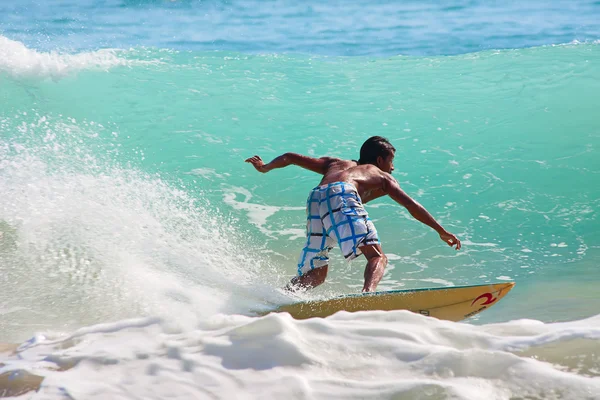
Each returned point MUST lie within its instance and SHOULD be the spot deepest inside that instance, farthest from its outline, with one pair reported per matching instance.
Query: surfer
(336, 214)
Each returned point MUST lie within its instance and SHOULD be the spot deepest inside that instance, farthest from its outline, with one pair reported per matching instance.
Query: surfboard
(452, 303)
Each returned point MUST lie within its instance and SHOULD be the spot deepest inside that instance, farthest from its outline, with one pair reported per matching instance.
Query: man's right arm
(392, 188)
(318, 165)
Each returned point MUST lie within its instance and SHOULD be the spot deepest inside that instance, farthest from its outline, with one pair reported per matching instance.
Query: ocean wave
(125, 194)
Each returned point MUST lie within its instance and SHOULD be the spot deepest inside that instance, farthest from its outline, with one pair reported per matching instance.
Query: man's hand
(258, 163)
(450, 239)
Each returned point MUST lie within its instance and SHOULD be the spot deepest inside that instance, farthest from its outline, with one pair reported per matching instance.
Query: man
(335, 212)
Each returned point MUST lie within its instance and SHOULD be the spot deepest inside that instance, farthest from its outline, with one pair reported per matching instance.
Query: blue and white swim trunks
(335, 214)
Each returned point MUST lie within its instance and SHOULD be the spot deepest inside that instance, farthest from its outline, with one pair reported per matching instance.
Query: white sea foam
(19, 60)
(86, 240)
(382, 355)
(258, 214)
(470, 243)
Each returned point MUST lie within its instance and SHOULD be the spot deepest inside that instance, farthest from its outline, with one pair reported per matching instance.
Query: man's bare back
(371, 179)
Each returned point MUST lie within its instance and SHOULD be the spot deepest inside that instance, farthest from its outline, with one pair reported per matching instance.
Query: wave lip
(19, 60)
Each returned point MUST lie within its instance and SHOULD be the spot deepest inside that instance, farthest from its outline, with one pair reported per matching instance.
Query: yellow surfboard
(450, 303)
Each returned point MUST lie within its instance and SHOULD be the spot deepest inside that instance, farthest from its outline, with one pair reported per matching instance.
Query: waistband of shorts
(334, 184)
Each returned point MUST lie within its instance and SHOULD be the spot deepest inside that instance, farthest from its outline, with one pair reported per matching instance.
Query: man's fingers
(253, 159)
(451, 240)
(456, 242)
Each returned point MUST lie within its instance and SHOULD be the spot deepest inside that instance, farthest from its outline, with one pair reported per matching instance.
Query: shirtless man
(335, 212)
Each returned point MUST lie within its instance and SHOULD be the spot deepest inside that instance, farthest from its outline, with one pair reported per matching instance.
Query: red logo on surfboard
(489, 299)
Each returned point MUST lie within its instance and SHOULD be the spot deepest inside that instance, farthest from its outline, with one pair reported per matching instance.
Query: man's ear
(379, 161)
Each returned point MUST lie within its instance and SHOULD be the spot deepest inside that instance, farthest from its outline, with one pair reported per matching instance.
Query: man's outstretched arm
(318, 165)
(392, 188)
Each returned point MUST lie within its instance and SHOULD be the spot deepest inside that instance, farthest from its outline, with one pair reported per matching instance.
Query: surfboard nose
(507, 288)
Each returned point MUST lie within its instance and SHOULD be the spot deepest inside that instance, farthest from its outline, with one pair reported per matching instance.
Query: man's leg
(376, 263)
(309, 280)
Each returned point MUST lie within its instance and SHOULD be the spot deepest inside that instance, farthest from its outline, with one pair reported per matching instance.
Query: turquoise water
(124, 127)
(500, 146)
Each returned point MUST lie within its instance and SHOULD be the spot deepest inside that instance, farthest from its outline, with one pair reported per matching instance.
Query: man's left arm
(419, 212)
(318, 165)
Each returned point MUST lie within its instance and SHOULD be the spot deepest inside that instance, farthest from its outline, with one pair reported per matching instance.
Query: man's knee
(384, 259)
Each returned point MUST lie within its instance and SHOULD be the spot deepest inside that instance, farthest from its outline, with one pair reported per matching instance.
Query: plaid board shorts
(335, 214)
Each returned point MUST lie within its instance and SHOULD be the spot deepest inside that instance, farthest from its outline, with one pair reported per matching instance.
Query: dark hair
(374, 147)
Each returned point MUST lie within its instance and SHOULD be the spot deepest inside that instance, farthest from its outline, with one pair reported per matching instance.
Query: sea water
(136, 245)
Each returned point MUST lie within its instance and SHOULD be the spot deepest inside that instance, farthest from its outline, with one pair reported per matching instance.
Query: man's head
(378, 151)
